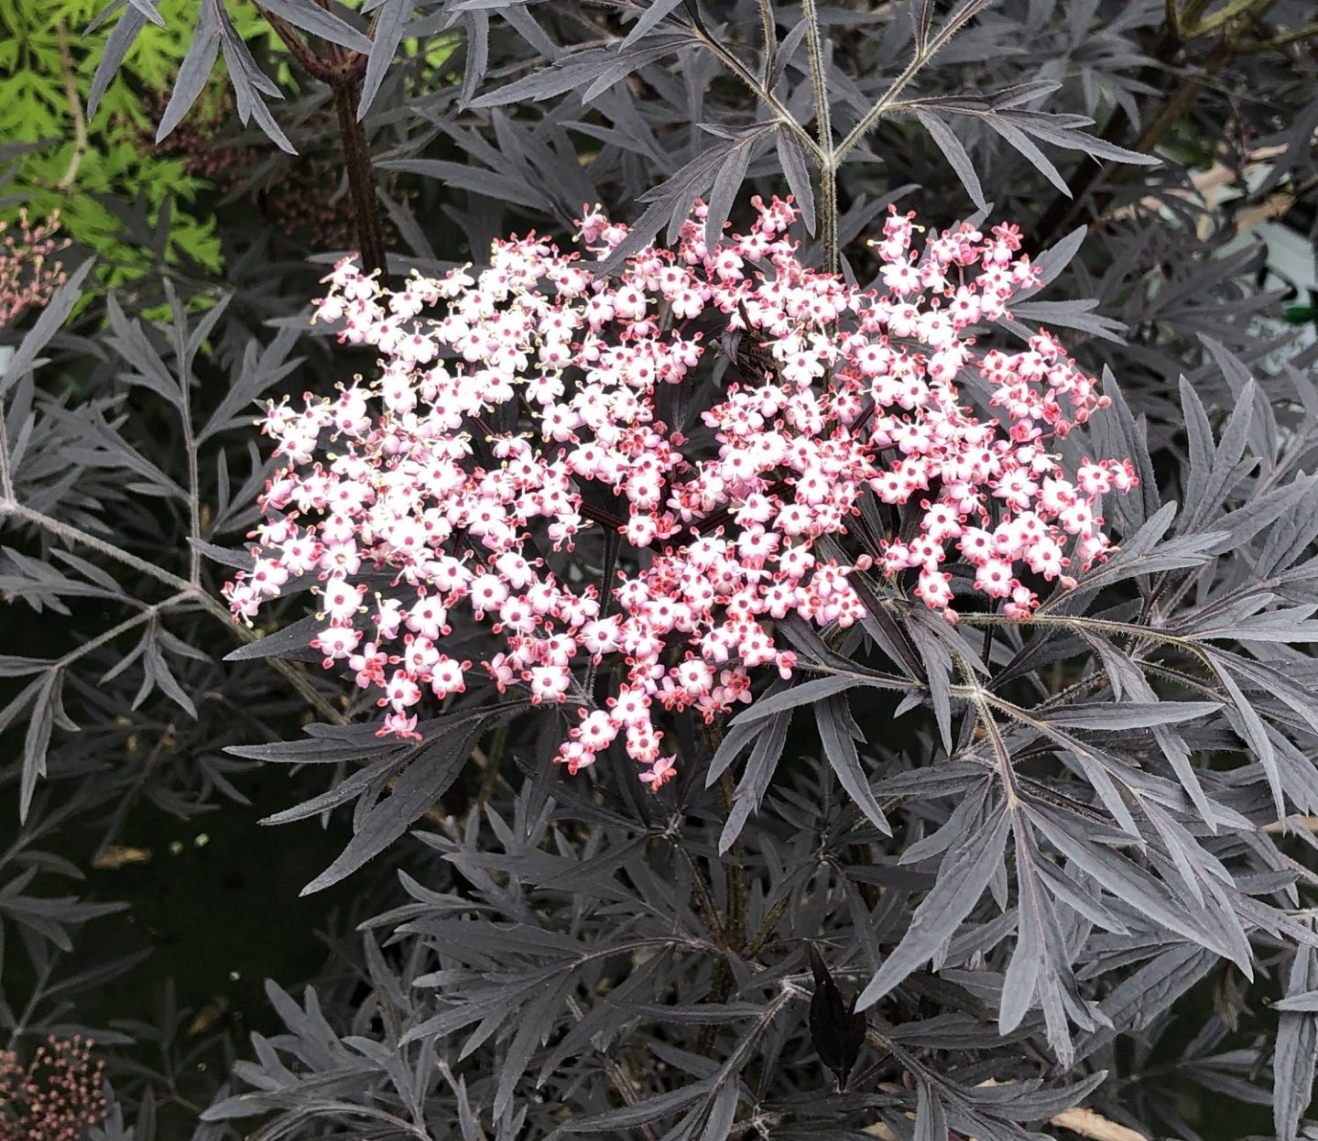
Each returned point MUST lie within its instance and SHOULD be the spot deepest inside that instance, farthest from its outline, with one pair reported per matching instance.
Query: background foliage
(1111, 809)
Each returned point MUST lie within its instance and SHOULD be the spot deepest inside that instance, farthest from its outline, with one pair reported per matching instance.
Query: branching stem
(770, 100)
(342, 73)
(187, 593)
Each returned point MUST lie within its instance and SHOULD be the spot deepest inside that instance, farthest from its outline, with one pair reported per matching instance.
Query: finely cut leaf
(1297, 1047)
(391, 21)
(47, 325)
(292, 643)
(45, 700)
(643, 1112)
(835, 731)
(474, 178)
(765, 754)
(930, 1117)
(727, 182)
(804, 693)
(791, 157)
(956, 155)
(311, 17)
(648, 19)
(962, 878)
(425, 780)
(117, 47)
(600, 67)
(721, 1114)
(193, 72)
(1118, 715)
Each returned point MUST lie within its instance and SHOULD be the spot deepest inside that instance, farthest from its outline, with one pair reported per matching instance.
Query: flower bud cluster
(511, 405)
(28, 275)
(58, 1096)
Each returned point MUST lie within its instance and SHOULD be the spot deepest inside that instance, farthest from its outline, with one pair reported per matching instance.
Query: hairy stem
(1308, 32)
(769, 29)
(733, 929)
(828, 220)
(780, 113)
(617, 1075)
(824, 127)
(924, 53)
(767, 928)
(308, 59)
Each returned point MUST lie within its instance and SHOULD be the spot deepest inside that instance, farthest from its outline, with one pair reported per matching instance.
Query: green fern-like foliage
(44, 60)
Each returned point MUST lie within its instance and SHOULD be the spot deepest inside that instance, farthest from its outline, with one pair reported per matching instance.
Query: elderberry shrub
(968, 685)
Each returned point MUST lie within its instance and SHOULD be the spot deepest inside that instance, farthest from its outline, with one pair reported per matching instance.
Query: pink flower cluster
(58, 1096)
(855, 393)
(27, 275)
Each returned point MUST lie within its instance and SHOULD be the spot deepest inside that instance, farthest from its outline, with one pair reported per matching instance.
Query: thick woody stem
(342, 72)
(733, 929)
(361, 179)
(734, 876)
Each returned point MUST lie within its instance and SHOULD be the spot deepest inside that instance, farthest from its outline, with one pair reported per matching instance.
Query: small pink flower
(448, 676)
(659, 773)
(549, 683)
(399, 725)
(336, 642)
